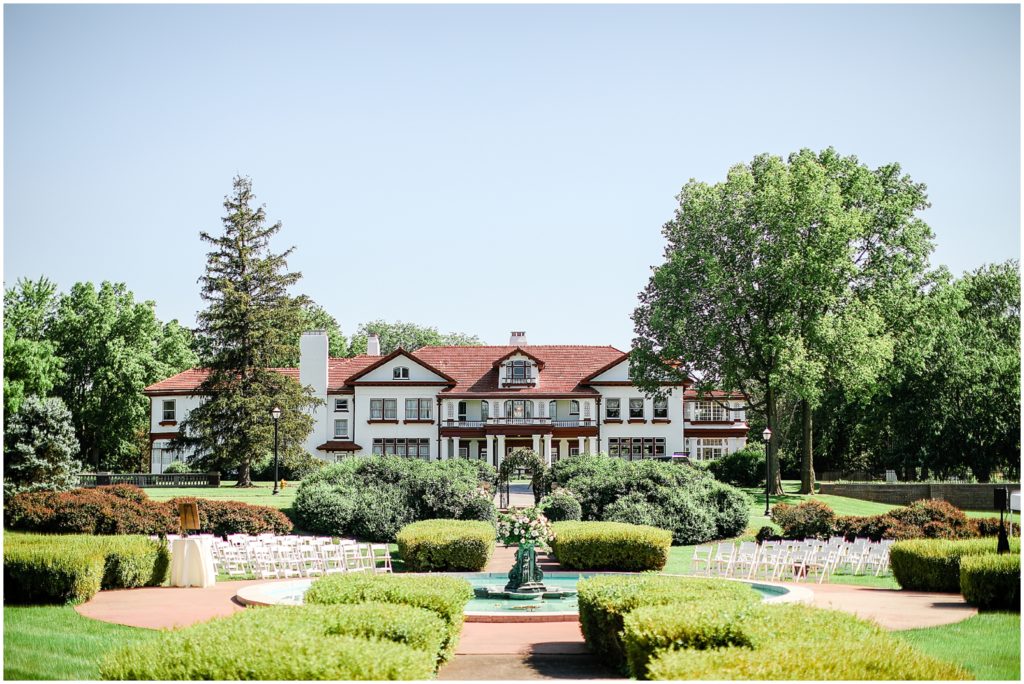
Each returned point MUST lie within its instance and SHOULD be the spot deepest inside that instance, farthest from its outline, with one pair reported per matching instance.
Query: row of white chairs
(792, 560)
(269, 556)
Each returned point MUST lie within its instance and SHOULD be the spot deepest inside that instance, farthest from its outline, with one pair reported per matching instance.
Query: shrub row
(373, 498)
(925, 519)
(445, 596)
(369, 641)
(659, 627)
(991, 581)
(72, 568)
(934, 564)
(610, 546)
(446, 545)
(795, 642)
(126, 509)
(684, 499)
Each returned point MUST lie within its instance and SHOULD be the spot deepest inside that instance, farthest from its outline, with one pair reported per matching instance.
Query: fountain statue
(525, 579)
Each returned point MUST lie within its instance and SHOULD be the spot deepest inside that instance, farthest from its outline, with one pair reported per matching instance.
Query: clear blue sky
(477, 168)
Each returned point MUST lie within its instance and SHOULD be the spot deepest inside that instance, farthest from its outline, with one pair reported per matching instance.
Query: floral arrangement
(522, 525)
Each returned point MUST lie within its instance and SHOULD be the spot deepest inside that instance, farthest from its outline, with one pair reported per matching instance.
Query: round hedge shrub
(634, 509)
(610, 546)
(991, 581)
(378, 513)
(692, 520)
(561, 505)
(446, 545)
(480, 508)
(810, 519)
(323, 510)
(175, 467)
(743, 468)
(934, 564)
(732, 511)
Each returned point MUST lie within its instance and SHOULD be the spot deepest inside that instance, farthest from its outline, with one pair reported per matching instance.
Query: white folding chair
(723, 559)
(701, 562)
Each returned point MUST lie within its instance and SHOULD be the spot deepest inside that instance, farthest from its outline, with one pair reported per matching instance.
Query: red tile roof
(193, 377)
(472, 368)
(564, 367)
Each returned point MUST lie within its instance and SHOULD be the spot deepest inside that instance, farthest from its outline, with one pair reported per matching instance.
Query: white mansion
(479, 403)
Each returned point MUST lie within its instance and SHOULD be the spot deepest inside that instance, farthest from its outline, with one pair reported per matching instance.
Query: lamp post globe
(275, 413)
(767, 435)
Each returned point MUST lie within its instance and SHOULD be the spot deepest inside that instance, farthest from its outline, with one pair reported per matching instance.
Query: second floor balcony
(527, 421)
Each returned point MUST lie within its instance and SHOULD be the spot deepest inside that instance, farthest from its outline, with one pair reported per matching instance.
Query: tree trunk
(774, 472)
(244, 476)
(807, 462)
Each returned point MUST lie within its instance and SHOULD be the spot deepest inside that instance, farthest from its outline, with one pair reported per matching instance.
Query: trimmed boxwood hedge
(42, 568)
(446, 545)
(446, 596)
(361, 642)
(794, 642)
(604, 602)
(610, 546)
(934, 564)
(992, 581)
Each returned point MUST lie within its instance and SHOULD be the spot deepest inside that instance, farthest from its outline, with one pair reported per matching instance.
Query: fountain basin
(486, 609)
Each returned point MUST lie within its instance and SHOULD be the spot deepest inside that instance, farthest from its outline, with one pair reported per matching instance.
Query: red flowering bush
(807, 520)
(123, 509)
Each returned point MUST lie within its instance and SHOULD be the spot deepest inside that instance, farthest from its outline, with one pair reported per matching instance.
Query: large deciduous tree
(772, 280)
(31, 364)
(250, 320)
(112, 347)
(408, 336)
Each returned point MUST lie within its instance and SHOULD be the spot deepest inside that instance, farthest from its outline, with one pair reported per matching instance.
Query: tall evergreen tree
(250, 321)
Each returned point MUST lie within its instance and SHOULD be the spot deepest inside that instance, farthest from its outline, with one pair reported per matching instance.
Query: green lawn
(55, 642)
(988, 644)
(260, 494)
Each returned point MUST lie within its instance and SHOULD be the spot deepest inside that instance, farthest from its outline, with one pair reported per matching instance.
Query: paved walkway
(892, 609)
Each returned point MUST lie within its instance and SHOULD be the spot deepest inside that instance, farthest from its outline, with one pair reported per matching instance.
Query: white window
(552, 409)
(710, 448)
(485, 410)
(708, 411)
(574, 409)
(612, 409)
(340, 405)
(661, 407)
(462, 411)
(574, 451)
(636, 408)
(169, 411)
(463, 452)
(383, 409)
(401, 373)
(341, 428)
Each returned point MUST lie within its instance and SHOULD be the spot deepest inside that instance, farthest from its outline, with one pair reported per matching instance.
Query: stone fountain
(525, 580)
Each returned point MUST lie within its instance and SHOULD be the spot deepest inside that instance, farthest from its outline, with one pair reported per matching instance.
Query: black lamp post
(275, 413)
(767, 434)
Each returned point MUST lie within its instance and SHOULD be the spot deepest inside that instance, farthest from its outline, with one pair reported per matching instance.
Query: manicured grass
(988, 644)
(55, 642)
(260, 494)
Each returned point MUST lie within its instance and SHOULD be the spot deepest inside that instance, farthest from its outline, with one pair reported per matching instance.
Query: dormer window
(401, 373)
(519, 372)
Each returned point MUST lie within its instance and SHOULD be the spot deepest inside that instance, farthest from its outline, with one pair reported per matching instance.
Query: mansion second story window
(169, 410)
(518, 408)
(485, 410)
(341, 428)
(708, 410)
(612, 409)
(636, 408)
(417, 409)
(400, 373)
(340, 405)
(463, 411)
(574, 409)
(383, 409)
(552, 409)
(661, 407)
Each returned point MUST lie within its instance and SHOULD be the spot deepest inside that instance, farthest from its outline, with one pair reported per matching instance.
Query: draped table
(192, 563)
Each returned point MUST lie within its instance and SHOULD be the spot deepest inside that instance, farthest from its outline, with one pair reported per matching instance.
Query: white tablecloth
(1014, 501)
(192, 563)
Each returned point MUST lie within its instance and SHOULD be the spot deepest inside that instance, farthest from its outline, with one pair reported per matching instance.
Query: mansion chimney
(372, 345)
(518, 338)
(313, 360)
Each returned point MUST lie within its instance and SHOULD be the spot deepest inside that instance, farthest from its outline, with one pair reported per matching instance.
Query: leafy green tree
(40, 447)
(764, 274)
(250, 320)
(408, 336)
(315, 317)
(112, 348)
(31, 365)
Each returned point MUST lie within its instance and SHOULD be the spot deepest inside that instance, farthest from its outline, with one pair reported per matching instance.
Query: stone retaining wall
(970, 497)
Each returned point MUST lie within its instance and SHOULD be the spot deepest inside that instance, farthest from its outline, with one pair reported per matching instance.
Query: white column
(581, 444)
(593, 445)
(563, 448)
(455, 447)
(501, 449)
(547, 449)
(536, 444)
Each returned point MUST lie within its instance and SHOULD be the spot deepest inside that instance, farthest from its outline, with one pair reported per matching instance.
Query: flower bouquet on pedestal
(524, 526)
